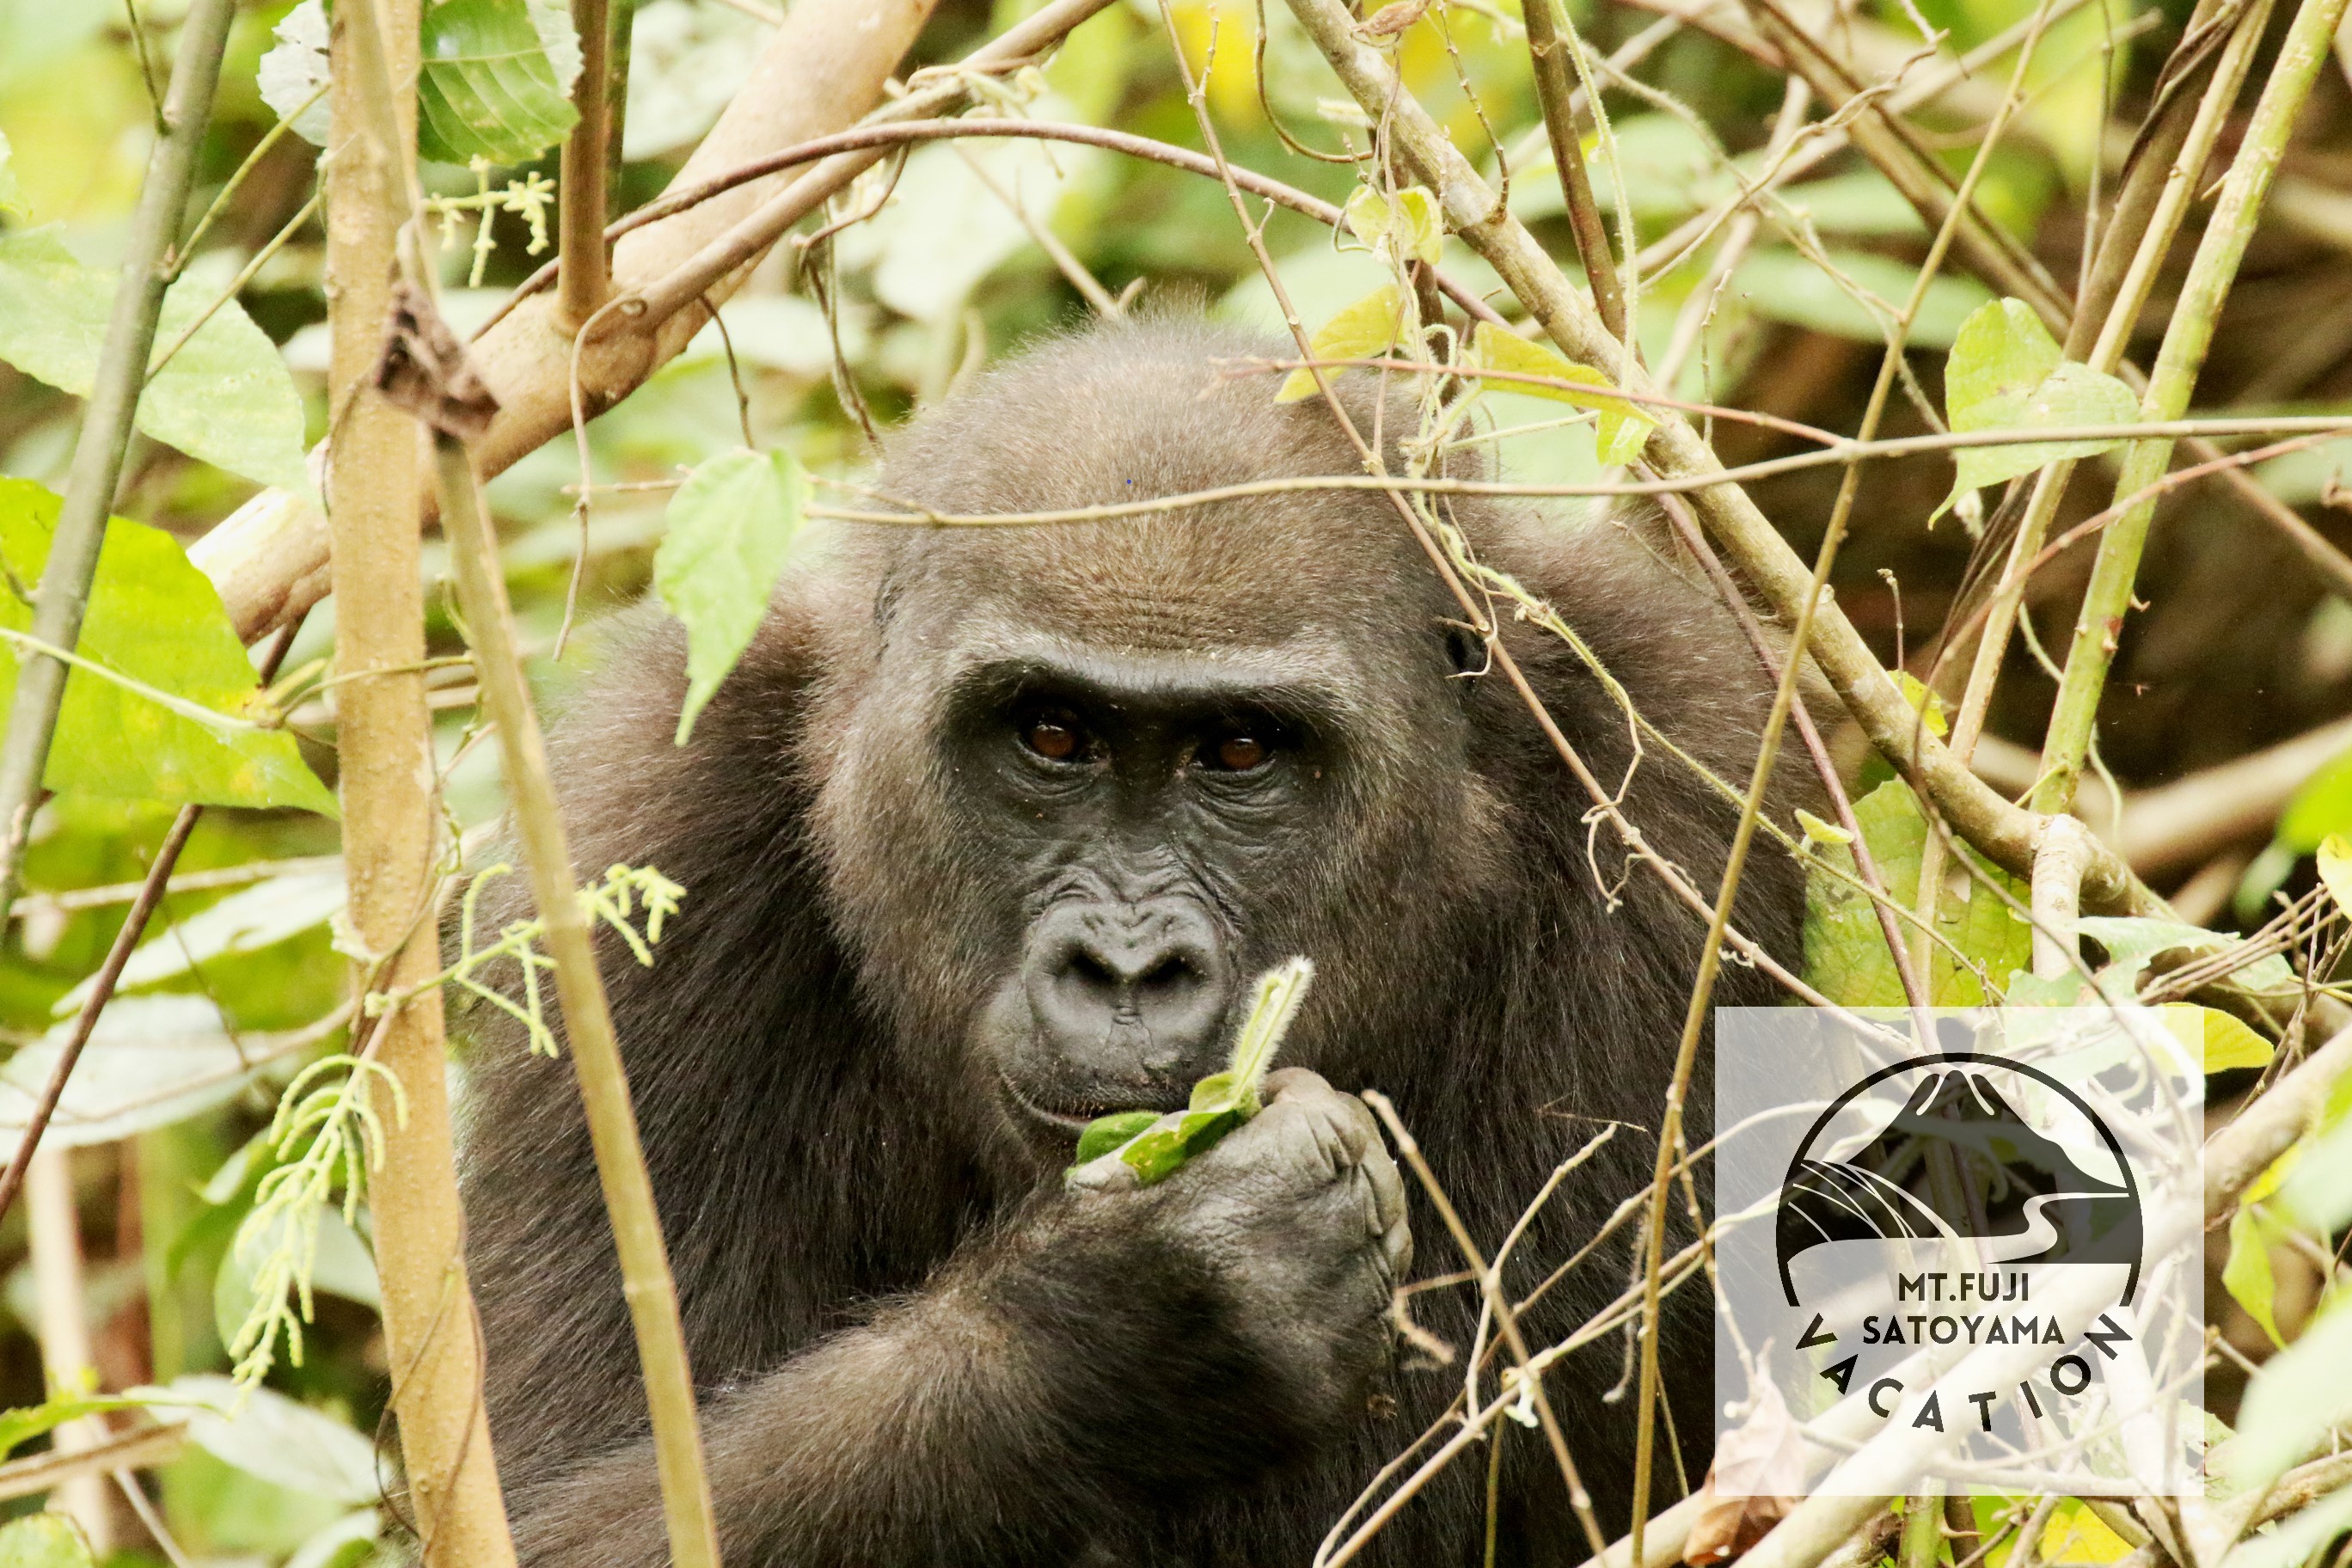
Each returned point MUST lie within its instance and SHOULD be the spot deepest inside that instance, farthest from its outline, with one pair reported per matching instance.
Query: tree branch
(596, 1051)
(583, 175)
(390, 828)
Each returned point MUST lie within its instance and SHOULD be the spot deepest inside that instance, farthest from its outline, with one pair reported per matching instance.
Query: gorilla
(987, 835)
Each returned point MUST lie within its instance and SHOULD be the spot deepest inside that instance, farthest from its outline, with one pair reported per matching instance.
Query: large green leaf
(154, 619)
(2006, 372)
(2297, 1397)
(496, 79)
(1786, 286)
(1845, 950)
(730, 528)
(224, 398)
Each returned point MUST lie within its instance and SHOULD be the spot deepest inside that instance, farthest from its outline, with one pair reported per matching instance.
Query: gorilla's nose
(1119, 987)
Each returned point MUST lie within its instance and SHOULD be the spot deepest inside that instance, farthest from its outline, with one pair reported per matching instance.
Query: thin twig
(106, 426)
(647, 1283)
(1556, 94)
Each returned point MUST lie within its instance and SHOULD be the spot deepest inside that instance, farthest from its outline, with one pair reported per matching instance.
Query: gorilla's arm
(1113, 1352)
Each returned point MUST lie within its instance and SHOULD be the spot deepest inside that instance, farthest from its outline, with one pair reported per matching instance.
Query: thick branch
(385, 749)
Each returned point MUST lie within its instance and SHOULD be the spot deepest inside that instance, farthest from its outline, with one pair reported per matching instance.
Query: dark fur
(907, 1358)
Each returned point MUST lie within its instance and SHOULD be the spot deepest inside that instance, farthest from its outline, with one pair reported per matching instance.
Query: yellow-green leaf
(2254, 1230)
(1821, 832)
(2074, 1536)
(1364, 330)
(225, 396)
(2218, 1040)
(1623, 428)
(155, 620)
(1845, 950)
(2336, 870)
(43, 1540)
(1407, 227)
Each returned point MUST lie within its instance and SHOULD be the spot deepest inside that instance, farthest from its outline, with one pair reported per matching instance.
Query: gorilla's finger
(1300, 1082)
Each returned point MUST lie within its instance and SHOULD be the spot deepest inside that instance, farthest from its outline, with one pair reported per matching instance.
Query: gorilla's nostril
(1173, 973)
(1092, 973)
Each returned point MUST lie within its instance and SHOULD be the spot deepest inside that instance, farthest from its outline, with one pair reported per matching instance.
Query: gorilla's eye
(1054, 735)
(1236, 753)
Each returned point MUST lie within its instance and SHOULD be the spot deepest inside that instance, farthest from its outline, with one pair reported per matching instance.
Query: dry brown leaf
(1757, 1477)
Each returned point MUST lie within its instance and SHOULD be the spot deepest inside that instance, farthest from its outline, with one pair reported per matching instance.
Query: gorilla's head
(1114, 769)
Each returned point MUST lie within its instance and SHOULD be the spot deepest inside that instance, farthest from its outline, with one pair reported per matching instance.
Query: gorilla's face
(1149, 816)
(1063, 860)
(1080, 783)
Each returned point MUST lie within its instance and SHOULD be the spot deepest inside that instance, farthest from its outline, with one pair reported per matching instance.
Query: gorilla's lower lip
(1068, 1122)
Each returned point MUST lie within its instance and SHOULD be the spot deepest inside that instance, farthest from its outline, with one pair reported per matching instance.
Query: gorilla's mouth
(1064, 1123)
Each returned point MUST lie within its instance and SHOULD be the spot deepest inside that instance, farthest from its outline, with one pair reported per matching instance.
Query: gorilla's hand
(1298, 1219)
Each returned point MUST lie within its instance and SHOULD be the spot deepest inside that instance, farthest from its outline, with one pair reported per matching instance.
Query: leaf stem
(2191, 333)
(148, 263)
(588, 1021)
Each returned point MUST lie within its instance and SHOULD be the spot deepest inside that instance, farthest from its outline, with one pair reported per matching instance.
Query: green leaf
(1105, 1133)
(295, 69)
(154, 619)
(2297, 1397)
(270, 1436)
(43, 1540)
(2133, 942)
(263, 915)
(730, 528)
(496, 79)
(1820, 832)
(1363, 330)
(151, 1061)
(18, 1427)
(2006, 372)
(1784, 285)
(1623, 428)
(224, 398)
(1845, 950)
(2322, 806)
(2254, 1230)
(1155, 1147)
